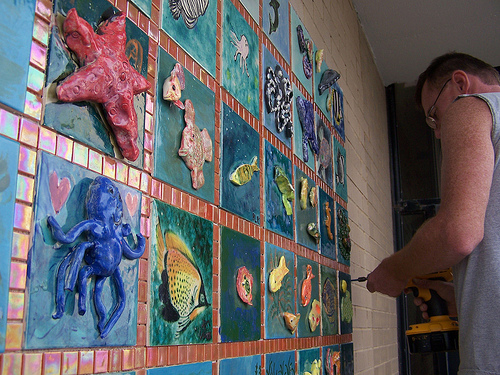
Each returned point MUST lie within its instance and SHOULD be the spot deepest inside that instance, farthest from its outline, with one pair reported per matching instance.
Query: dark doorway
(415, 160)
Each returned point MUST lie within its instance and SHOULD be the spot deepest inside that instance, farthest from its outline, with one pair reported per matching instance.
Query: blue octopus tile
(279, 290)
(170, 124)
(240, 159)
(85, 121)
(309, 361)
(203, 368)
(144, 6)
(275, 21)
(307, 291)
(194, 30)
(338, 110)
(277, 98)
(331, 359)
(347, 359)
(277, 218)
(343, 237)
(306, 218)
(326, 210)
(242, 365)
(53, 317)
(325, 155)
(339, 162)
(345, 300)
(9, 158)
(299, 139)
(329, 301)
(239, 287)
(281, 363)
(298, 56)
(240, 59)
(16, 22)
(181, 277)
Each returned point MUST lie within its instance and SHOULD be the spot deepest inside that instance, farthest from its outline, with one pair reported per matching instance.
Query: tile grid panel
(26, 129)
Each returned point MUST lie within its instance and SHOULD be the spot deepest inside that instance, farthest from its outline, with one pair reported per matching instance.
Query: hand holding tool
(441, 332)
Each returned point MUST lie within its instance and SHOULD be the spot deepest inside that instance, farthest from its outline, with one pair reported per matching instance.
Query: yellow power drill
(441, 332)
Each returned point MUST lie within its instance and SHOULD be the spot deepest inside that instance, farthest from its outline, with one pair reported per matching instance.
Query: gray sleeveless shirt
(477, 278)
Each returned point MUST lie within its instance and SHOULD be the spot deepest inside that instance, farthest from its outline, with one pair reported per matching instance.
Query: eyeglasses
(429, 119)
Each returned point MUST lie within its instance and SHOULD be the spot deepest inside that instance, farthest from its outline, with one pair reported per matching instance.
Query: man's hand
(446, 291)
(383, 280)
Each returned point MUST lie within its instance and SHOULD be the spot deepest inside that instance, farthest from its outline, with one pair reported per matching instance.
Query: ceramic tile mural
(331, 360)
(347, 359)
(9, 156)
(240, 167)
(282, 363)
(170, 125)
(144, 6)
(345, 303)
(339, 162)
(240, 58)
(278, 219)
(193, 26)
(181, 277)
(275, 21)
(338, 110)
(275, 82)
(204, 368)
(16, 19)
(62, 190)
(252, 7)
(306, 218)
(343, 236)
(86, 121)
(250, 365)
(222, 259)
(309, 139)
(279, 290)
(325, 154)
(309, 361)
(329, 301)
(298, 138)
(240, 288)
(326, 210)
(298, 56)
(321, 100)
(307, 297)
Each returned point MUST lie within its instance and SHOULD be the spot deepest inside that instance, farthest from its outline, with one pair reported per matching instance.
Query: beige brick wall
(334, 26)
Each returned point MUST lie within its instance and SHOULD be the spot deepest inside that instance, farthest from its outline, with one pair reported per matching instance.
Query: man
(460, 96)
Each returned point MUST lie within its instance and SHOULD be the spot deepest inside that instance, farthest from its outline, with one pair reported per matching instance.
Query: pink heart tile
(132, 202)
(59, 191)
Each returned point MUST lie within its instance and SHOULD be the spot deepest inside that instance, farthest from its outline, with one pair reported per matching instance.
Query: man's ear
(461, 81)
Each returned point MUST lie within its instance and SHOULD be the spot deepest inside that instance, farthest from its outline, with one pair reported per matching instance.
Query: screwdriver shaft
(360, 279)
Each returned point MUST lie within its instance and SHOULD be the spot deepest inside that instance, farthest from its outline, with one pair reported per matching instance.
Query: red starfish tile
(105, 76)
